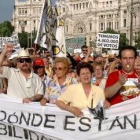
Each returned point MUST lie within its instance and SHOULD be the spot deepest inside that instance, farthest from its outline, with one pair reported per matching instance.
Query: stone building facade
(26, 15)
(83, 18)
(86, 18)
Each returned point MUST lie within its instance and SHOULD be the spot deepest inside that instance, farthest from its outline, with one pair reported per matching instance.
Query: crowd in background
(73, 82)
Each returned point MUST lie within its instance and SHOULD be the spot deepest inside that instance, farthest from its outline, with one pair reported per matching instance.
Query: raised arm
(112, 90)
(6, 51)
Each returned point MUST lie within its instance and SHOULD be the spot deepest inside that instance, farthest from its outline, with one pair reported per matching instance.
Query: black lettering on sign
(25, 134)
(35, 120)
(3, 130)
(33, 136)
(67, 122)
(44, 138)
(118, 123)
(132, 124)
(13, 118)
(10, 130)
(15, 134)
(85, 124)
(48, 120)
(26, 119)
(4, 113)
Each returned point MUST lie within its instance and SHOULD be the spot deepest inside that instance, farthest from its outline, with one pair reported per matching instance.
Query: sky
(6, 9)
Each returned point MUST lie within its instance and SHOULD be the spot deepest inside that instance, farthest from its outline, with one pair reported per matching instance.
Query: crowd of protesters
(74, 82)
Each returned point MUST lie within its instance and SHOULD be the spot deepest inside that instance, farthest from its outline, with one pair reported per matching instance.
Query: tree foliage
(6, 29)
(123, 41)
(25, 39)
(137, 41)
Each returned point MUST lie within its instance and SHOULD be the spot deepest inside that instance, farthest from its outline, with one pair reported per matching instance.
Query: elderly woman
(82, 95)
(98, 78)
(60, 82)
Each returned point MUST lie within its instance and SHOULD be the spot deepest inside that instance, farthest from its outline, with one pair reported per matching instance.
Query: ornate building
(85, 18)
(26, 15)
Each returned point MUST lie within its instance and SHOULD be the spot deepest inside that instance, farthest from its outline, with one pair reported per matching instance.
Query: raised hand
(122, 78)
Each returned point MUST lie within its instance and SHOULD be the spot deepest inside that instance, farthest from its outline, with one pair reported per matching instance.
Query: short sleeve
(7, 72)
(66, 96)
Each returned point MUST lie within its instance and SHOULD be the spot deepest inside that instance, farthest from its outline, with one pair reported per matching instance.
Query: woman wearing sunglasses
(22, 82)
(82, 95)
(60, 81)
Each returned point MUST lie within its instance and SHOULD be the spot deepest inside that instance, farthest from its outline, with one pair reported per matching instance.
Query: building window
(125, 12)
(74, 6)
(110, 3)
(83, 5)
(34, 29)
(102, 26)
(90, 26)
(107, 4)
(25, 11)
(117, 25)
(80, 5)
(22, 29)
(109, 25)
(19, 11)
(86, 4)
(124, 22)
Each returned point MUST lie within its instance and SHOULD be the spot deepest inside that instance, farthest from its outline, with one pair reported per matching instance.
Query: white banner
(105, 40)
(12, 40)
(34, 122)
(51, 31)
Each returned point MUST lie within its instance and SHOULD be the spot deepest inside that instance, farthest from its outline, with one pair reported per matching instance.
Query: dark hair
(128, 48)
(84, 65)
(84, 46)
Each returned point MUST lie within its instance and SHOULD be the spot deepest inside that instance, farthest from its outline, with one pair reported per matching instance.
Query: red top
(112, 79)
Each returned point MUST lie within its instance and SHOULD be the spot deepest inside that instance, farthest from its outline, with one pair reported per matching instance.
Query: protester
(22, 82)
(48, 67)
(39, 69)
(137, 64)
(82, 95)
(98, 78)
(122, 84)
(60, 82)
(88, 57)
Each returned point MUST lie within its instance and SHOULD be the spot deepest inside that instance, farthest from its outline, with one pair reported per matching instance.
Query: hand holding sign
(77, 112)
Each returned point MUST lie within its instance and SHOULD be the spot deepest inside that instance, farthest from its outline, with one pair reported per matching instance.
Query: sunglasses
(22, 60)
(84, 50)
(38, 67)
(59, 68)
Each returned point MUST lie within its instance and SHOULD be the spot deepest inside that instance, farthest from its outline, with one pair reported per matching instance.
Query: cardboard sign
(108, 40)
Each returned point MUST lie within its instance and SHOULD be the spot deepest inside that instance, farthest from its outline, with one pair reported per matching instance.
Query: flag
(51, 30)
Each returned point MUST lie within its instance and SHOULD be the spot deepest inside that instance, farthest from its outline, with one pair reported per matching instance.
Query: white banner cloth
(34, 122)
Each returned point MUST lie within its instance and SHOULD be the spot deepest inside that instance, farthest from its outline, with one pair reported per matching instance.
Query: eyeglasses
(22, 60)
(59, 68)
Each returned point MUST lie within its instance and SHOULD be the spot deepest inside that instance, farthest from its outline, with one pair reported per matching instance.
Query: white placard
(105, 40)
